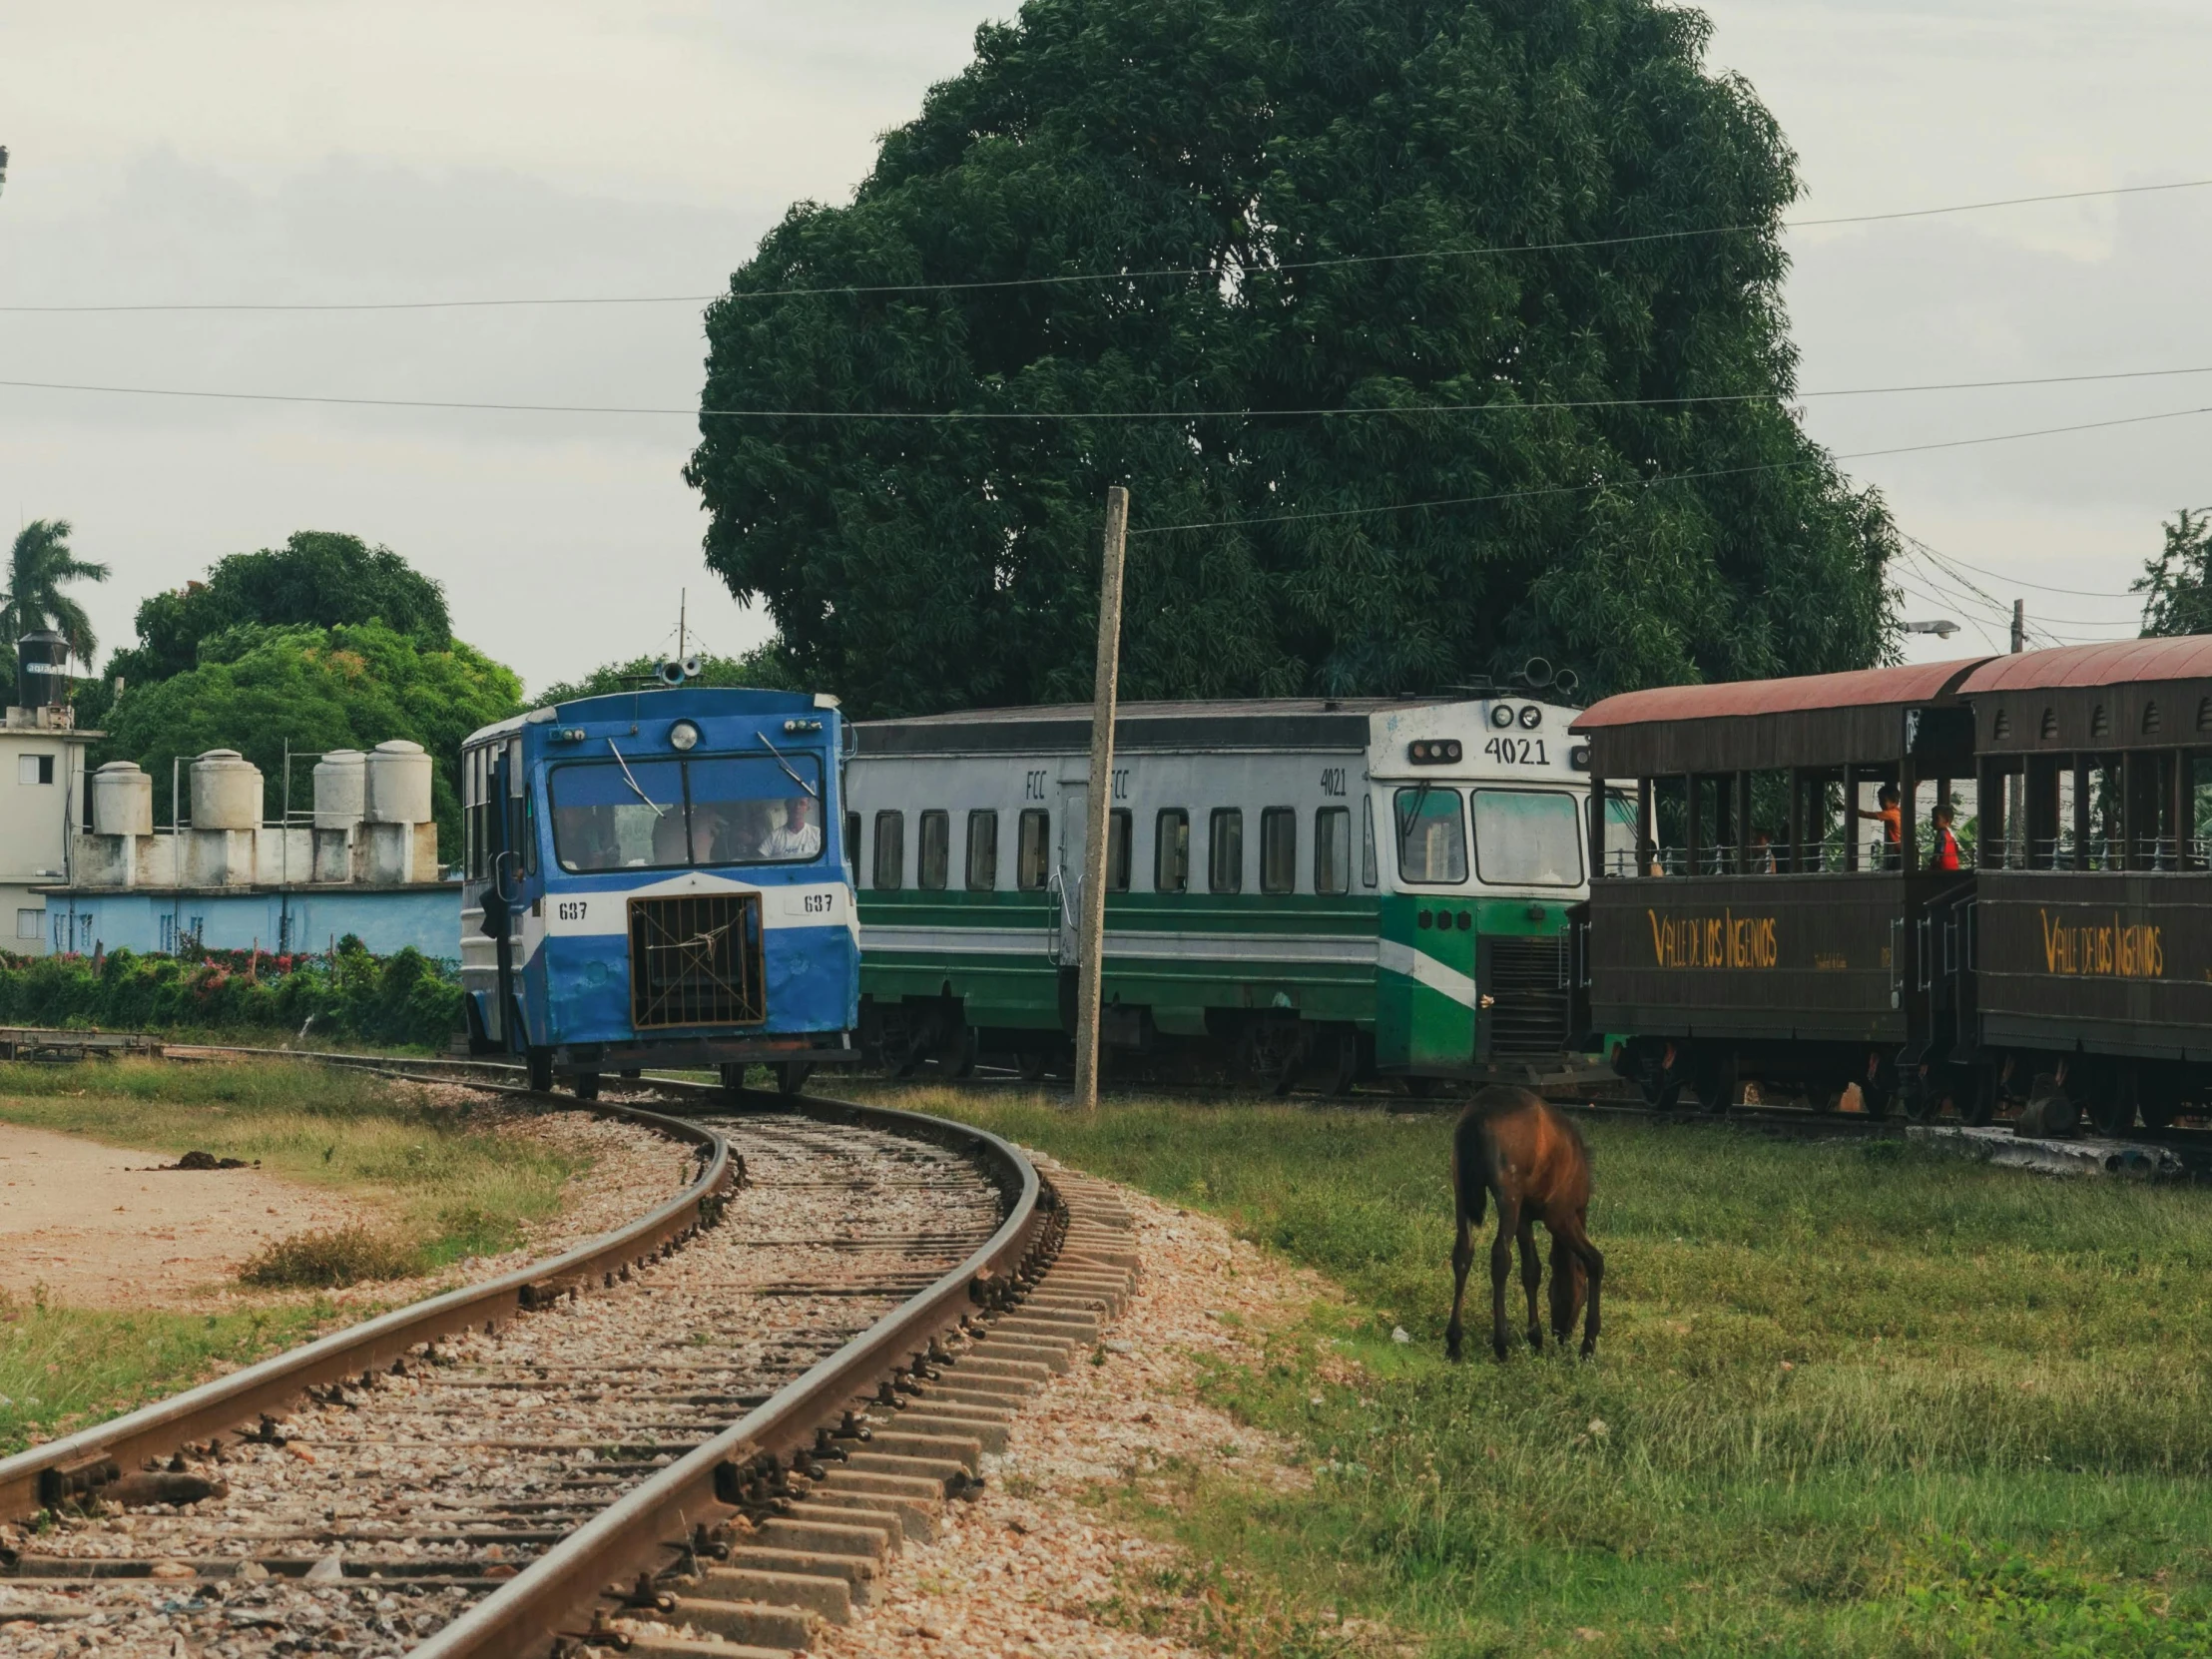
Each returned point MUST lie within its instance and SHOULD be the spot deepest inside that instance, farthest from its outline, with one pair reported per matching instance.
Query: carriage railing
(2104, 852)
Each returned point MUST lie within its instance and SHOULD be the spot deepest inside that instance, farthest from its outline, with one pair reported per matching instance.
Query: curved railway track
(696, 1435)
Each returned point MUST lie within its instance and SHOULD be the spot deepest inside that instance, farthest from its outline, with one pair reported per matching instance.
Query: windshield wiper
(659, 810)
(1408, 817)
(786, 766)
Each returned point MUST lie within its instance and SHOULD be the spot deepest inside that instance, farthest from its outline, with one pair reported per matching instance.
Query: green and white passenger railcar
(1347, 888)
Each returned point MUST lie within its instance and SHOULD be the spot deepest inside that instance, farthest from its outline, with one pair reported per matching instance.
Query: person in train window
(791, 833)
(668, 838)
(1947, 840)
(1760, 860)
(1890, 816)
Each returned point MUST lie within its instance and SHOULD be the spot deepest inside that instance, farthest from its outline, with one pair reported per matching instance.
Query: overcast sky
(241, 151)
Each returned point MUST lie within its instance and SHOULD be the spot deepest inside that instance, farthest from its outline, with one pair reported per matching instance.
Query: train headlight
(1532, 717)
(682, 736)
(1501, 715)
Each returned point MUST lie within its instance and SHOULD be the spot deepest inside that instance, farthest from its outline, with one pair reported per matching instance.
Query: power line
(975, 415)
(1491, 251)
(1630, 483)
(2041, 587)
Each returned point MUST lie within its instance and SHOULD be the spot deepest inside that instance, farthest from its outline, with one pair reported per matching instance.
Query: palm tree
(37, 567)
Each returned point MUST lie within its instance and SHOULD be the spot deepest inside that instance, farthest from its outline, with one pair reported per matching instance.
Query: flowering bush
(345, 993)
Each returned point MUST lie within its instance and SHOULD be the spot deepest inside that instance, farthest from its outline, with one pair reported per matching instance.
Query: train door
(1428, 999)
(1068, 877)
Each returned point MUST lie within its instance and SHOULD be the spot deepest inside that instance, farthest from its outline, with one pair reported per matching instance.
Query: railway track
(698, 1435)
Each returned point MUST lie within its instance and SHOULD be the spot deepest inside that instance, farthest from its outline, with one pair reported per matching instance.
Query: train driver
(791, 832)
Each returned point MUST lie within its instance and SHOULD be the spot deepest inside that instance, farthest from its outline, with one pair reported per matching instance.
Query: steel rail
(78, 1464)
(637, 1532)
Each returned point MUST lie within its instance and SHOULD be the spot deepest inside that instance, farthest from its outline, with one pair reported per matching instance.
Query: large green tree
(318, 579)
(1298, 170)
(2177, 585)
(40, 565)
(256, 688)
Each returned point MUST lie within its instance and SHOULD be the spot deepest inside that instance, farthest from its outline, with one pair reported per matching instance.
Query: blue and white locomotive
(657, 879)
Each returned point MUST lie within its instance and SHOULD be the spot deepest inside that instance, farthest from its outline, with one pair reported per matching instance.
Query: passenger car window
(1368, 876)
(890, 850)
(933, 862)
(1278, 849)
(1225, 850)
(1034, 857)
(1432, 835)
(852, 841)
(1170, 850)
(982, 851)
(1333, 850)
(1527, 838)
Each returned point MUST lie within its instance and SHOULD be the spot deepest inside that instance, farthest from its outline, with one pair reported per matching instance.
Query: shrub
(404, 998)
(330, 1261)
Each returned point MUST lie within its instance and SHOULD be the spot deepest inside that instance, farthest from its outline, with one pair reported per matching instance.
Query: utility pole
(1098, 804)
(2020, 626)
(2015, 786)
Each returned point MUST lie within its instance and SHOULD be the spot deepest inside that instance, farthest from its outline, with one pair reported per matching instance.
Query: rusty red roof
(1855, 689)
(2119, 662)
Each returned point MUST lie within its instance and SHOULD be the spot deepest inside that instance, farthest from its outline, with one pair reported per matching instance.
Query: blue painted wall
(386, 919)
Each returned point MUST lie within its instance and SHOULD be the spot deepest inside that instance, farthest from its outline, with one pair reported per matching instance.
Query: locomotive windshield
(624, 813)
(1527, 838)
(1432, 835)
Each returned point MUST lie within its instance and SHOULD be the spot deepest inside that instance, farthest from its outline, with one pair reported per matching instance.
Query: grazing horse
(1509, 1142)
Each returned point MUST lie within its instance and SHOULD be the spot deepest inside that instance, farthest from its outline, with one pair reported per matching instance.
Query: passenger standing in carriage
(1892, 819)
(1947, 840)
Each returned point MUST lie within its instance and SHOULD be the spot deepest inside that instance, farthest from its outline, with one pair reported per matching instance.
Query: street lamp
(1942, 628)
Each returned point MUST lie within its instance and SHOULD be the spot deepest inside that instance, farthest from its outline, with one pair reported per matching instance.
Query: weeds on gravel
(1852, 1398)
(331, 1259)
(60, 1366)
(451, 1188)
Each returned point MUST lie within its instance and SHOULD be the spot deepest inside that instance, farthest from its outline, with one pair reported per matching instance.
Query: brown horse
(1510, 1143)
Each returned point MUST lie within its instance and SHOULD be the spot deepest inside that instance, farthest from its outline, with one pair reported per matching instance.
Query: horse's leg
(1593, 1264)
(1532, 1277)
(1463, 1258)
(1566, 1288)
(1502, 1264)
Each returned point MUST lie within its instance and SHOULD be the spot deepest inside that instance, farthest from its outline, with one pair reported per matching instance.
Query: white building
(42, 795)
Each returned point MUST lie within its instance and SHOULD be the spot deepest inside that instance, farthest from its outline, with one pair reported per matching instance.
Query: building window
(34, 769)
(934, 862)
(890, 850)
(1278, 849)
(1333, 850)
(1117, 850)
(1171, 851)
(30, 925)
(169, 935)
(1225, 850)
(1034, 857)
(982, 851)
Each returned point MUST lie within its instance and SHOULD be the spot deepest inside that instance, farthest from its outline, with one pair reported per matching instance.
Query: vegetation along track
(699, 1435)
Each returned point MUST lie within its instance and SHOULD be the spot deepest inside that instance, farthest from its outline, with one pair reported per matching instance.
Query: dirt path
(105, 1227)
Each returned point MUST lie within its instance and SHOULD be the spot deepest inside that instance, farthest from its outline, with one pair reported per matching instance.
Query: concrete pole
(1098, 802)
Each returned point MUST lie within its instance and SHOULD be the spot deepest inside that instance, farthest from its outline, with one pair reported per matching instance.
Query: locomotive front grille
(696, 961)
(1533, 1011)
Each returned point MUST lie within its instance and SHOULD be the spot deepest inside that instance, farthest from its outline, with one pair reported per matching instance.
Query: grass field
(1851, 1398)
(447, 1190)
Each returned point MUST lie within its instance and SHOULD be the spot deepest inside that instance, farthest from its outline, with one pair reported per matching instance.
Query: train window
(1278, 849)
(890, 852)
(982, 851)
(934, 864)
(754, 809)
(1033, 851)
(1117, 850)
(1170, 850)
(1370, 876)
(1527, 838)
(853, 843)
(1333, 850)
(1225, 850)
(1432, 835)
(608, 816)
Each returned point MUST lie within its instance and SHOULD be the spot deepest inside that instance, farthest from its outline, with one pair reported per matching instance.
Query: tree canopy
(39, 564)
(318, 579)
(346, 686)
(1238, 220)
(2177, 585)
